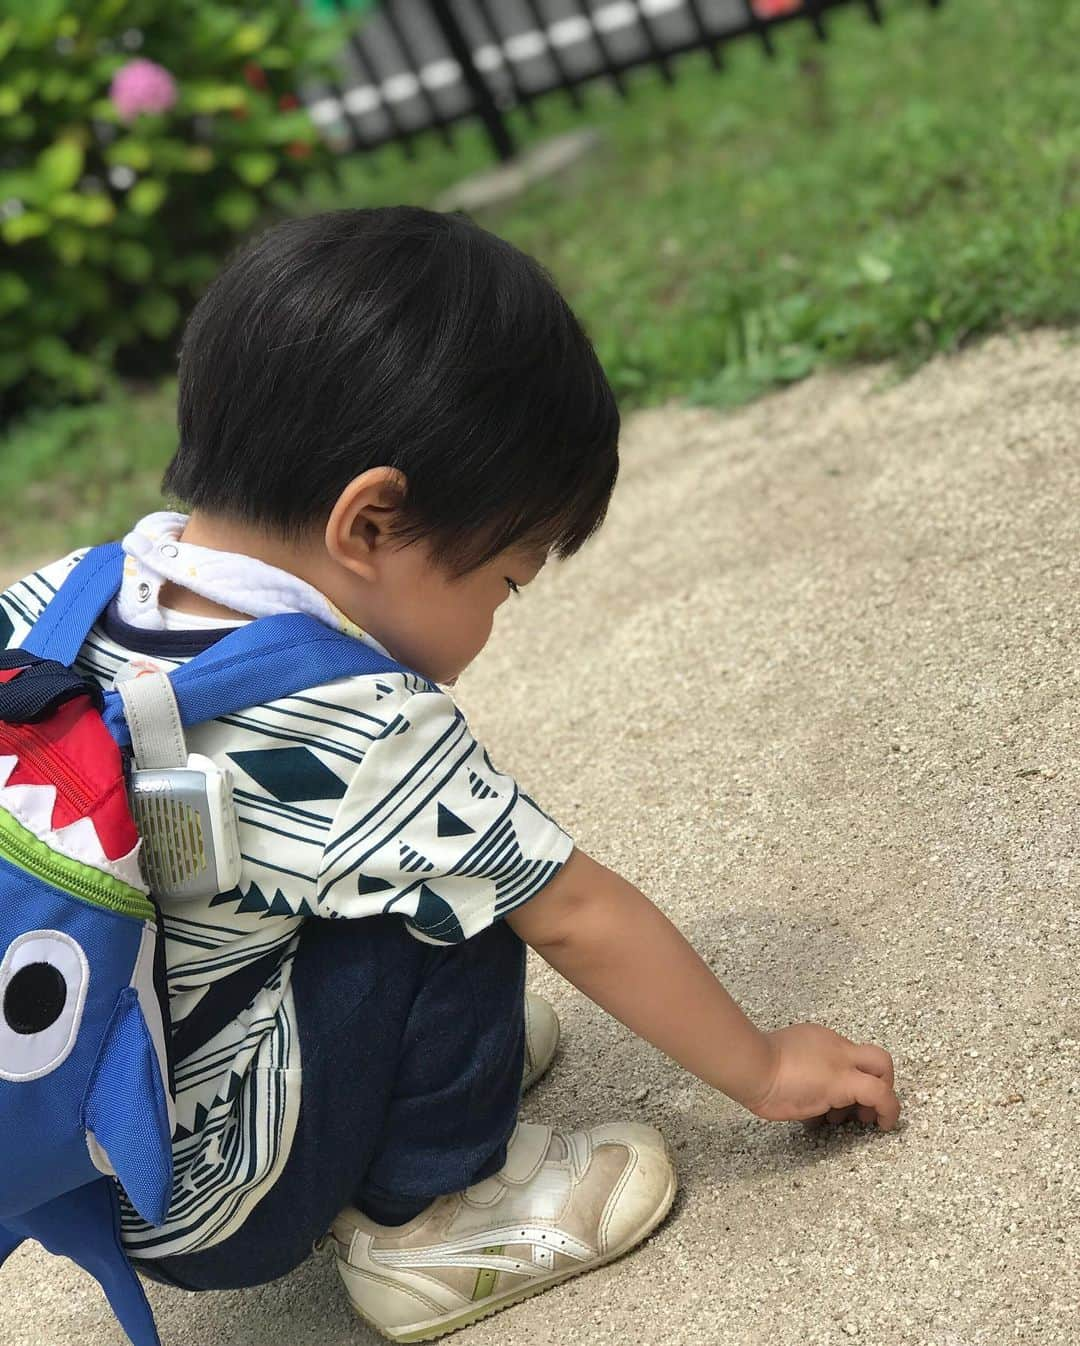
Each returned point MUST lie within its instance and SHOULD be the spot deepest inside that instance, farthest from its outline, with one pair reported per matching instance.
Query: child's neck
(230, 535)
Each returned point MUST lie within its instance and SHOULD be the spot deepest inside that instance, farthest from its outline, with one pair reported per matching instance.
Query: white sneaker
(564, 1202)
(541, 1038)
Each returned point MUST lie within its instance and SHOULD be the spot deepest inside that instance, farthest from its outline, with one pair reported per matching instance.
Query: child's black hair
(404, 338)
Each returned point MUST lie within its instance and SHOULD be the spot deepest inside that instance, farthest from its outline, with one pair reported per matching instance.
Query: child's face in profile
(435, 623)
(429, 619)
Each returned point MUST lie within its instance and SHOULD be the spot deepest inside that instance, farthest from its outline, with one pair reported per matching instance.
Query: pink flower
(142, 86)
(774, 9)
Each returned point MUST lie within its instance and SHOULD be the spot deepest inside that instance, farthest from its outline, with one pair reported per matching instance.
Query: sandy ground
(814, 689)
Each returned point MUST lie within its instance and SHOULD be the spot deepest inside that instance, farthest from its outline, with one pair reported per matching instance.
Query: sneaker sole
(453, 1322)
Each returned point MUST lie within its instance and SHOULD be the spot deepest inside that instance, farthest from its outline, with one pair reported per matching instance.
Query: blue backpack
(85, 1036)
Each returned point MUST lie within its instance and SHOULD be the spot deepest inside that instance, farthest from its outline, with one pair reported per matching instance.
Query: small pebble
(641, 1095)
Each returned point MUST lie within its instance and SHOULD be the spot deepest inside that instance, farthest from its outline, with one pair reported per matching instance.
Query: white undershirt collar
(154, 556)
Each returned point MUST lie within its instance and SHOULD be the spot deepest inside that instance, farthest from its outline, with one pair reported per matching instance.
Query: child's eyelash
(514, 588)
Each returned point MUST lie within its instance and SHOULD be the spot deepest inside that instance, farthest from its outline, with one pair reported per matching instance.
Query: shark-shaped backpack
(85, 1099)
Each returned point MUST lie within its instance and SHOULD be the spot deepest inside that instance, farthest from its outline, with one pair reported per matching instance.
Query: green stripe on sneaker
(485, 1277)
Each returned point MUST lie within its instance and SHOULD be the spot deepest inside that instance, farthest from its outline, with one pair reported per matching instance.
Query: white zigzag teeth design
(80, 841)
(128, 870)
(32, 804)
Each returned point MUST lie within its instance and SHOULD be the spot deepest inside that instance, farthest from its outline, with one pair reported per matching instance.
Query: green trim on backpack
(99, 889)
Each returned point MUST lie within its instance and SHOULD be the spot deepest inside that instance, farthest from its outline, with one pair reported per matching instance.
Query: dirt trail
(814, 689)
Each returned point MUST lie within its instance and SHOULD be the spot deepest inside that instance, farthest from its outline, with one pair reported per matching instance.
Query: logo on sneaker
(542, 1241)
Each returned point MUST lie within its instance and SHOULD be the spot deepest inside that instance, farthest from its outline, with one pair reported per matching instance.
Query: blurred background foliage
(111, 224)
(891, 195)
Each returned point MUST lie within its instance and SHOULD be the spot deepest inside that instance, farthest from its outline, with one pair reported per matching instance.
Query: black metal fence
(418, 66)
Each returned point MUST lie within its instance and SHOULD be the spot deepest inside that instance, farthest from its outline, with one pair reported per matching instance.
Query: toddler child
(390, 419)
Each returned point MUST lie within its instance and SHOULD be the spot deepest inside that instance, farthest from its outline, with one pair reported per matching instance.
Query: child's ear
(362, 521)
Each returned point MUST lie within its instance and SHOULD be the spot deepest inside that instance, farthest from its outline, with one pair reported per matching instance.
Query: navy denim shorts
(412, 1058)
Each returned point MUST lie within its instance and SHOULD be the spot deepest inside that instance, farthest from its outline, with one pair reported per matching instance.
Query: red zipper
(27, 744)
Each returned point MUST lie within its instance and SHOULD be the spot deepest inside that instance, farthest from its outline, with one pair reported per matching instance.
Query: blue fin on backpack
(85, 1101)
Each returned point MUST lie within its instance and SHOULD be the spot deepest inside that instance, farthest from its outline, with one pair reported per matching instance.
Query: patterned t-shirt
(363, 796)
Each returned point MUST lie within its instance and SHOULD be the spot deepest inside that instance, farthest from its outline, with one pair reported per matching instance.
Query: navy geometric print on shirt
(480, 789)
(290, 774)
(435, 917)
(365, 885)
(255, 900)
(450, 825)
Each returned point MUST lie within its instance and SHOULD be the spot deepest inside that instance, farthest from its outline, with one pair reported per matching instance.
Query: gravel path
(814, 689)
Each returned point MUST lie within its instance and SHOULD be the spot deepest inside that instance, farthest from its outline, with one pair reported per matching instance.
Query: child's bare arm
(614, 945)
(607, 938)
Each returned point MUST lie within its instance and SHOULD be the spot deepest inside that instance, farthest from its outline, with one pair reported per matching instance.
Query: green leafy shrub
(109, 227)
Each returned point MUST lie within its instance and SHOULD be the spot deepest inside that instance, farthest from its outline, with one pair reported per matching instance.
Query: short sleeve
(429, 830)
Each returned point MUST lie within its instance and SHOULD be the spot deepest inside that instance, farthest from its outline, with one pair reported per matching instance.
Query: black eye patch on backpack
(34, 998)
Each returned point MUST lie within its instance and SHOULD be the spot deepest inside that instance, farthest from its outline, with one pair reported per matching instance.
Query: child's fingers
(870, 1091)
(838, 1116)
(874, 1060)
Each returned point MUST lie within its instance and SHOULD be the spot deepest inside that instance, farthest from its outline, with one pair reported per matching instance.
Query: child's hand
(819, 1075)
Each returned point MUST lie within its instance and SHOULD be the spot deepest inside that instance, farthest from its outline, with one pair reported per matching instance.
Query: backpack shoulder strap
(61, 630)
(261, 662)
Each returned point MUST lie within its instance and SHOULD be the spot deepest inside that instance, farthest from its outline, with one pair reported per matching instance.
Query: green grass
(79, 475)
(892, 195)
